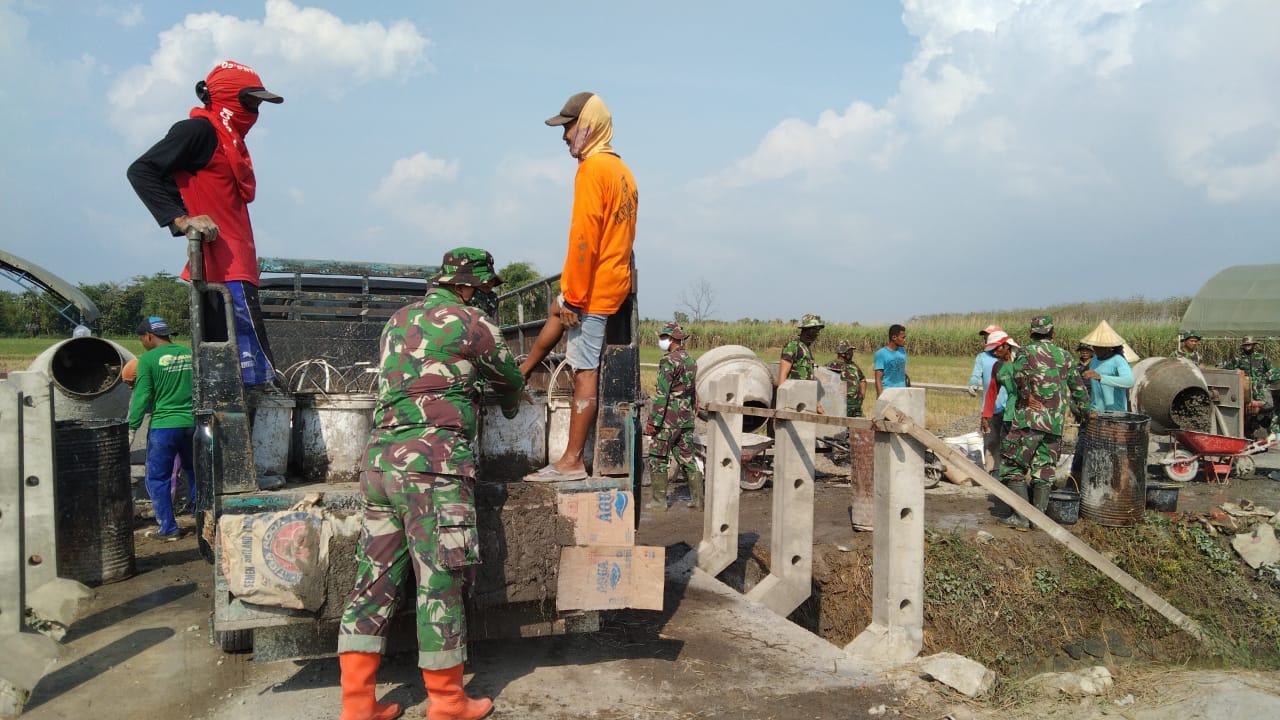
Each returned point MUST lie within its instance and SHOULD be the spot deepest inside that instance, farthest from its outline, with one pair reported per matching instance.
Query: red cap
(229, 78)
(988, 330)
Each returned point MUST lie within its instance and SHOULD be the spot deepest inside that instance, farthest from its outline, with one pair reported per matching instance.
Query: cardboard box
(606, 517)
(600, 577)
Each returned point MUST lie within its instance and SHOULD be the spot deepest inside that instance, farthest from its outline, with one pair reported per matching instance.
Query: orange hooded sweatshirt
(597, 269)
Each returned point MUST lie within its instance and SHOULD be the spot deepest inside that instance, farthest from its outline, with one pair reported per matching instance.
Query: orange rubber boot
(359, 689)
(448, 701)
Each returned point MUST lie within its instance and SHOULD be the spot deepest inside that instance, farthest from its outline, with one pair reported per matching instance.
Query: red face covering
(231, 120)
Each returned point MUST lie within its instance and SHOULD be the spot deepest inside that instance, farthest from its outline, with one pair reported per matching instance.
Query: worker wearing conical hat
(1109, 373)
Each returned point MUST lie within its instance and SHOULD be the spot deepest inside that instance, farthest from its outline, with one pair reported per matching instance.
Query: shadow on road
(95, 663)
(119, 613)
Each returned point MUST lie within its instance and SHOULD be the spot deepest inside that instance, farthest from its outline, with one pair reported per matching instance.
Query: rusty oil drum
(1113, 468)
(94, 501)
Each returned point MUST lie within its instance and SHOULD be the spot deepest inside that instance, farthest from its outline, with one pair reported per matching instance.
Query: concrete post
(719, 546)
(10, 509)
(40, 538)
(791, 546)
(896, 632)
(28, 542)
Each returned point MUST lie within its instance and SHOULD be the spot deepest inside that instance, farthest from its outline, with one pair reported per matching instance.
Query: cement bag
(278, 559)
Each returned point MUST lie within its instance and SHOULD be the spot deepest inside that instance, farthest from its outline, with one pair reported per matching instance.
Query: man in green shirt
(163, 389)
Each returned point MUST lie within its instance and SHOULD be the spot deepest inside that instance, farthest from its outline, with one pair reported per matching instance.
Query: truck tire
(235, 641)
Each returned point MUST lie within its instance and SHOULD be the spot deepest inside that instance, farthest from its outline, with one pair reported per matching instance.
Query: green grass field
(17, 353)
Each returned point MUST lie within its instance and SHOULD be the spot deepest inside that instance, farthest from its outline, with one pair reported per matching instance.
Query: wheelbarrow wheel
(1182, 467)
(1244, 466)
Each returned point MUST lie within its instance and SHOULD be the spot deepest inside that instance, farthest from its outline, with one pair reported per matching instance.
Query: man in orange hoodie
(597, 270)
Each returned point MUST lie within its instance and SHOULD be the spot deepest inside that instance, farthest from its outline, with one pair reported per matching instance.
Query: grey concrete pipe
(757, 381)
(86, 377)
(1173, 393)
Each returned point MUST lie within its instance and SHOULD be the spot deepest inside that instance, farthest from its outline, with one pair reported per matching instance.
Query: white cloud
(1066, 93)
(860, 135)
(521, 170)
(296, 49)
(409, 174)
(403, 194)
(130, 16)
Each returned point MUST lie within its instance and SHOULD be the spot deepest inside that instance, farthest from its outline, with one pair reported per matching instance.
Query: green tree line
(122, 304)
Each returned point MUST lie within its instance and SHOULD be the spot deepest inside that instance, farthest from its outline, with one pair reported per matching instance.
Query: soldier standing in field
(418, 485)
(855, 381)
(1253, 361)
(671, 419)
(1189, 347)
(1043, 385)
(797, 356)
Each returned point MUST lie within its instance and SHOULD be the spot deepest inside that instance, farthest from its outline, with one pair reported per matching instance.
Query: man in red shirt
(596, 278)
(199, 178)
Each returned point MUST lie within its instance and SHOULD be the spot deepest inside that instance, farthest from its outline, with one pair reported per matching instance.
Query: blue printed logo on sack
(608, 575)
(607, 509)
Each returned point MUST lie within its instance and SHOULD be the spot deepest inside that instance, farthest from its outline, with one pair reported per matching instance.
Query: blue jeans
(585, 343)
(163, 444)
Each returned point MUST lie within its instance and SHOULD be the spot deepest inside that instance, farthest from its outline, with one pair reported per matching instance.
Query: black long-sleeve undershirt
(188, 146)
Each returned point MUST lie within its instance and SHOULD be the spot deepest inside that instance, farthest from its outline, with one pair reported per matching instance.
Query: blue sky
(868, 161)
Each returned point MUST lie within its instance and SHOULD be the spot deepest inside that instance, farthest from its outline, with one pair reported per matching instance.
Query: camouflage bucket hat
(811, 321)
(844, 347)
(467, 266)
(1248, 340)
(673, 330)
(1192, 334)
(1042, 324)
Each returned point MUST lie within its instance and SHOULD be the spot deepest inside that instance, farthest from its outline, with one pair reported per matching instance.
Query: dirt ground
(143, 650)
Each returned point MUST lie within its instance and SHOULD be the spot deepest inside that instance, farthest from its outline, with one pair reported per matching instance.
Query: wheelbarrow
(1222, 456)
(757, 462)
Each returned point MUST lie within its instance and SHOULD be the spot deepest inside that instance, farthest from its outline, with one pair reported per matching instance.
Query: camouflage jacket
(1257, 367)
(798, 353)
(676, 400)
(433, 351)
(852, 376)
(1192, 355)
(1046, 373)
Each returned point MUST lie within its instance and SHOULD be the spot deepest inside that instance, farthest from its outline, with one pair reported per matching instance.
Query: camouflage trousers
(853, 407)
(422, 521)
(1034, 451)
(672, 442)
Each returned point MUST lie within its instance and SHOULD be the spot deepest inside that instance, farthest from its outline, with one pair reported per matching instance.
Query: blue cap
(154, 325)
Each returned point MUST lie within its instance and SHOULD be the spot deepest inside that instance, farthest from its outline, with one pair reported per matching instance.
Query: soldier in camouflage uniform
(797, 356)
(671, 419)
(854, 381)
(1253, 361)
(1189, 347)
(419, 509)
(1042, 385)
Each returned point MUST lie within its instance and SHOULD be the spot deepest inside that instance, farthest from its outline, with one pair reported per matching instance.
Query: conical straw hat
(1103, 336)
(1130, 356)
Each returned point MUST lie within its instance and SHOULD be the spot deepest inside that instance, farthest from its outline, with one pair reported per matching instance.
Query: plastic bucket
(1162, 496)
(330, 433)
(1064, 506)
(272, 433)
(1113, 468)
